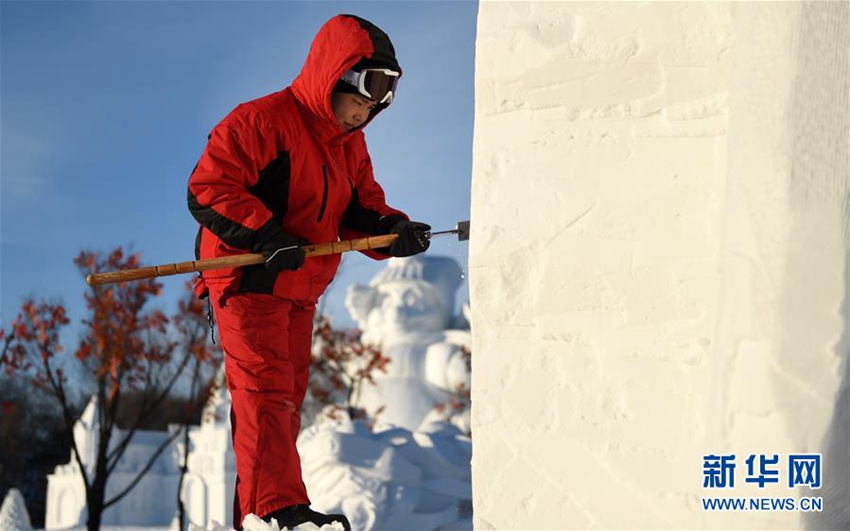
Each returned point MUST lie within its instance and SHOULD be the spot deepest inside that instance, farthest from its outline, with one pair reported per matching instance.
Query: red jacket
(281, 162)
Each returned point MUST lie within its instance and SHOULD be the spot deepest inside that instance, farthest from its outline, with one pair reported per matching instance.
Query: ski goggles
(377, 84)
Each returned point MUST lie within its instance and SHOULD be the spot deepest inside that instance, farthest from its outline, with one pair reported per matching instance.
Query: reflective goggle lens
(379, 85)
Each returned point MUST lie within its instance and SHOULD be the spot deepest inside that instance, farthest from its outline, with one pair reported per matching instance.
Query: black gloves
(282, 251)
(411, 238)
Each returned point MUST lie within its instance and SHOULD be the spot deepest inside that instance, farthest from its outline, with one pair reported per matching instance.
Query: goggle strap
(351, 77)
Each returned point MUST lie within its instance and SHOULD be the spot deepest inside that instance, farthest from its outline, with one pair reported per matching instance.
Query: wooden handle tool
(238, 260)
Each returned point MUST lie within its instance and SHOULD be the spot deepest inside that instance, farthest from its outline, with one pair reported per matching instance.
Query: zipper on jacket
(324, 193)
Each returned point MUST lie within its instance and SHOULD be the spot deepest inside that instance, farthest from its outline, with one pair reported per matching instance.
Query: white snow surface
(658, 259)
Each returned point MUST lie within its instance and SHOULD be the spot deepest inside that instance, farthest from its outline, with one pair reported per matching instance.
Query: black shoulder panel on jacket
(272, 188)
(230, 232)
(358, 217)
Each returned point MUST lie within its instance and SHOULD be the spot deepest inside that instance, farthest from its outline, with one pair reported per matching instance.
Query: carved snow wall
(658, 260)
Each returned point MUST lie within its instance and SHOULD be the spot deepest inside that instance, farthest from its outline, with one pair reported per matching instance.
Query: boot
(301, 514)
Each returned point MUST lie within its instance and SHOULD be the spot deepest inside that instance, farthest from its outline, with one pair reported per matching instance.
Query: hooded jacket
(281, 163)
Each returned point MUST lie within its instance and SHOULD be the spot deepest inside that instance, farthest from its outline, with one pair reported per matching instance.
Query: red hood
(340, 44)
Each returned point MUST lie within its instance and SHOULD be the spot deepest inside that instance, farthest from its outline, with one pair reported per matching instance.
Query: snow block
(658, 261)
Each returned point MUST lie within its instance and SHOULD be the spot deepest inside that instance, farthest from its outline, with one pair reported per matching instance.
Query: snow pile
(13, 513)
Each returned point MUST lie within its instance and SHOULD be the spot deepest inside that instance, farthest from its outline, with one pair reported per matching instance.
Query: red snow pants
(266, 341)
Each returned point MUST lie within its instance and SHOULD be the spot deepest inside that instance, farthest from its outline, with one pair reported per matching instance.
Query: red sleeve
(219, 196)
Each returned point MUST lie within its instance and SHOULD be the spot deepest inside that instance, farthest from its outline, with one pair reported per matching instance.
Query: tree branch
(166, 443)
(120, 448)
(61, 397)
(6, 344)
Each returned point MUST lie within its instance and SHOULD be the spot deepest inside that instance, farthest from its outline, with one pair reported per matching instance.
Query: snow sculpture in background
(408, 310)
(413, 470)
(391, 478)
(13, 513)
(208, 486)
(151, 502)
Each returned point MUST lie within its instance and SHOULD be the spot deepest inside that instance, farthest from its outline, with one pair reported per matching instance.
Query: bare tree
(127, 350)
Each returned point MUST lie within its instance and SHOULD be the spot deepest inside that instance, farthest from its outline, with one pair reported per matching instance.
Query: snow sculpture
(392, 478)
(207, 491)
(211, 477)
(150, 503)
(66, 496)
(13, 513)
(408, 309)
(413, 472)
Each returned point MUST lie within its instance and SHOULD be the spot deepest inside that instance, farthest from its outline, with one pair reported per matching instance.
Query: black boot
(301, 514)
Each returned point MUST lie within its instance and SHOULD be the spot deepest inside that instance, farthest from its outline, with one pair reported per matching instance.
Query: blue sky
(105, 108)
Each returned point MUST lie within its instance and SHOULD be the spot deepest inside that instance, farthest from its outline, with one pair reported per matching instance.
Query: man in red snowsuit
(285, 170)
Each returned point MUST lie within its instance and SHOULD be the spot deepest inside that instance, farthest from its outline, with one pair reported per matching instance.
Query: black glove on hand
(282, 251)
(411, 238)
